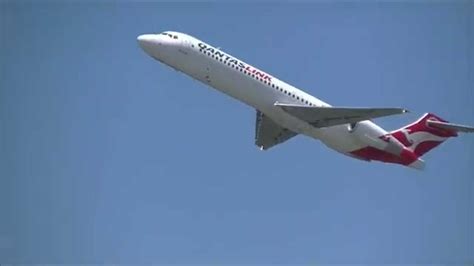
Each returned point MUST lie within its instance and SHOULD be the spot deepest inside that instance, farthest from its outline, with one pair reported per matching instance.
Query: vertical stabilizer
(420, 136)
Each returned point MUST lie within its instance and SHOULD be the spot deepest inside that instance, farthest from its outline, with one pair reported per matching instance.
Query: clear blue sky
(108, 156)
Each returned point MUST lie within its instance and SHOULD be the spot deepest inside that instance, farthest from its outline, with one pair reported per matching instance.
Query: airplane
(283, 111)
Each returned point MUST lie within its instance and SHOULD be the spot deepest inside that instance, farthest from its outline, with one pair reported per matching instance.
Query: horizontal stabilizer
(451, 126)
(333, 116)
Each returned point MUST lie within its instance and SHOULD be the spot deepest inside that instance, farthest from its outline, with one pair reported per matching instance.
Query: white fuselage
(254, 87)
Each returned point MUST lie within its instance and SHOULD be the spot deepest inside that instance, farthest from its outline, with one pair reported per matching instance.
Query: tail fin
(421, 136)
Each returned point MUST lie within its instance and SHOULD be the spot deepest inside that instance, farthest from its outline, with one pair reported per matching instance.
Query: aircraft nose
(146, 39)
(149, 43)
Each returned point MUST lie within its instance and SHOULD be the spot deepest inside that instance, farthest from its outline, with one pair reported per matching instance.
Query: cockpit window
(169, 35)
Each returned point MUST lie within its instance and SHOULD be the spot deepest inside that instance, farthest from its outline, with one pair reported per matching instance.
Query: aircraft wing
(333, 116)
(451, 126)
(269, 133)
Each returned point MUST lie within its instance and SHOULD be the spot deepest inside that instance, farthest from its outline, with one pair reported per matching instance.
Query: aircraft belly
(195, 66)
(340, 138)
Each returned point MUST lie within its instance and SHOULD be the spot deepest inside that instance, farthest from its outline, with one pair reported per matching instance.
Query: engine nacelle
(352, 127)
(373, 138)
(357, 130)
